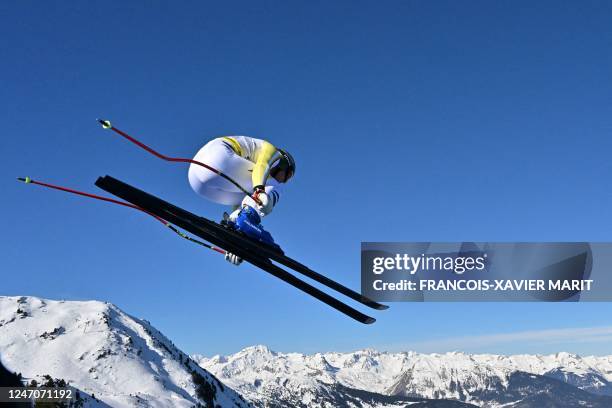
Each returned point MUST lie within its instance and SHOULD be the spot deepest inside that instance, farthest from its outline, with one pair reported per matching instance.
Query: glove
(264, 204)
(234, 215)
(233, 259)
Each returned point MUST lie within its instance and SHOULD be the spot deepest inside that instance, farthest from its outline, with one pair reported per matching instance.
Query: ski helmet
(285, 163)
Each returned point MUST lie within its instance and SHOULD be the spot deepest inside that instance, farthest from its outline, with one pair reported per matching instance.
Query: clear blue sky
(410, 121)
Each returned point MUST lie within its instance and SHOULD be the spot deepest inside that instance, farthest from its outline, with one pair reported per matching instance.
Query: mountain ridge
(485, 380)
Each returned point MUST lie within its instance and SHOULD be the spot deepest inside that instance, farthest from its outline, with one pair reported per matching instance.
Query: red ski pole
(106, 124)
(28, 180)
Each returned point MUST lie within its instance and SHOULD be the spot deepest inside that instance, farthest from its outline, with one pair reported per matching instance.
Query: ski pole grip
(256, 199)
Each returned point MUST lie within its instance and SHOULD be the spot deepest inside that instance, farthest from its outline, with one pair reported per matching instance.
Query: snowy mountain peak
(258, 349)
(100, 350)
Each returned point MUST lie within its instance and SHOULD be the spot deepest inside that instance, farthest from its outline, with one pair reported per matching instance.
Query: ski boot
(248, 222)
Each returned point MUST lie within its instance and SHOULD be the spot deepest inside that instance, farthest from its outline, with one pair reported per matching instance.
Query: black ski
(220, 236)
(281, 258)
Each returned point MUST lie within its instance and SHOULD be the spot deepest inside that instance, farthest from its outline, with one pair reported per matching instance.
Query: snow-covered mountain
(116, 360)
(111, 358)
(272, 379)
(292, 379)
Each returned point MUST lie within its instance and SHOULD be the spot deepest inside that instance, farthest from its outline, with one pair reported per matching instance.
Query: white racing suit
(244, 159)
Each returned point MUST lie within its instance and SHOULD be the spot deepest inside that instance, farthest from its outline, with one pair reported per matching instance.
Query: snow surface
(101, 351)
(257, 371)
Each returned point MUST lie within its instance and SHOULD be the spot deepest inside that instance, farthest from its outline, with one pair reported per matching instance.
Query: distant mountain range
(369, 378)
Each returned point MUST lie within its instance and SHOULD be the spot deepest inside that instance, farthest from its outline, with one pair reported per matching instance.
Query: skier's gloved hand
(234, 215)
(233, 259)
(262, 200)
(259, 194)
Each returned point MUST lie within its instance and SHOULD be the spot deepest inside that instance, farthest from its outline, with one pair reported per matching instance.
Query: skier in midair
(254, 164)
